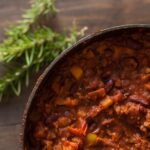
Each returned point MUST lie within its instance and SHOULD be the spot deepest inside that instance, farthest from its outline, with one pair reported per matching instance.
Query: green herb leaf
(32, 48)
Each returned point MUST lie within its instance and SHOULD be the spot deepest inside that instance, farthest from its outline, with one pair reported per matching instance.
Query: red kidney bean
(109, 85)
(129, 63)
(134, 44)
(73, 89)
(51, 119)
(139, 100)
(108, 52)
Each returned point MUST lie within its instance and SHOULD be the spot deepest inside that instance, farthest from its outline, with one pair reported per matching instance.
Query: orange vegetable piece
(76, 71)
(100, 93)
(147, 86)
(106, 102)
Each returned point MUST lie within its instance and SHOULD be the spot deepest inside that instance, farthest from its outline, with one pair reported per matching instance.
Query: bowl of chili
(95, 95)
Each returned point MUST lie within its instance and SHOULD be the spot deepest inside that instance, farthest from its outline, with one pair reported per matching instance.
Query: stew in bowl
(97, 98)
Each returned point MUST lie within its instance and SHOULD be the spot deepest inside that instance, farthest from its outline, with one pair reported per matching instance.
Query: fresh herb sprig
(45, 49)
(16, 35)
(32, 48)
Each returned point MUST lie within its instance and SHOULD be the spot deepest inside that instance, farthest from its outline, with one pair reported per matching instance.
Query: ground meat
(132, 112)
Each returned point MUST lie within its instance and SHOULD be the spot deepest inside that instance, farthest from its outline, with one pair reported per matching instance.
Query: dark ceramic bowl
(79, 45)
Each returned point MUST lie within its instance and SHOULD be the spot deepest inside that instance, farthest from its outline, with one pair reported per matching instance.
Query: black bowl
(79, 45)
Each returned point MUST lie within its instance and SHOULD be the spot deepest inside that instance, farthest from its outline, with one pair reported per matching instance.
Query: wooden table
(95, 14)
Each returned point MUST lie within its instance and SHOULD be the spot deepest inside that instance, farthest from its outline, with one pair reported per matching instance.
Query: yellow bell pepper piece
(91, 138)
(76, 71)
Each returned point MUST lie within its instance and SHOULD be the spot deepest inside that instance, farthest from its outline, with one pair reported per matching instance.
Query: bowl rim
(57, 59)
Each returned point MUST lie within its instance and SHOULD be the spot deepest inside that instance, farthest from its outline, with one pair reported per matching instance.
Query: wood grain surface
(95, 14)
